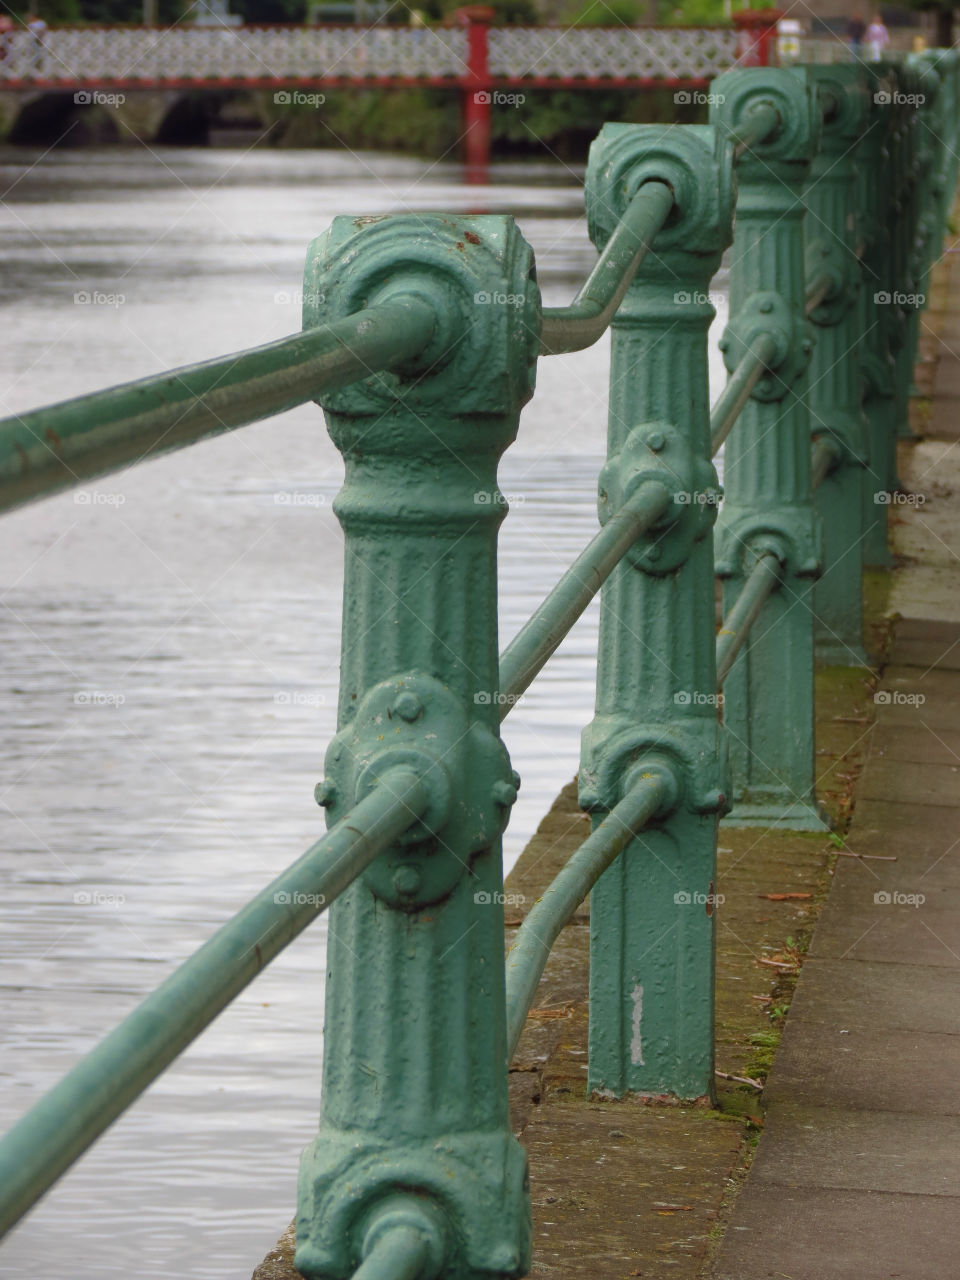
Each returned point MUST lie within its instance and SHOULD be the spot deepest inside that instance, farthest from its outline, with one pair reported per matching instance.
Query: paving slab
(926, 783)
(826, 1234)
(921, 743)
(864, 994)
(859, 1150)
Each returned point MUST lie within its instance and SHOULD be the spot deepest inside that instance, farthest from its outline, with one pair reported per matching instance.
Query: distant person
(877, 37)
(855, 30)
(38, 29)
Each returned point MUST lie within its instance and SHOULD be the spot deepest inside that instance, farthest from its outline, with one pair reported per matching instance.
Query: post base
(786, 815)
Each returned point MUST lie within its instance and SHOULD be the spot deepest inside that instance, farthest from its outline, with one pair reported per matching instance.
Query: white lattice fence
(604, 52)
(78, 56)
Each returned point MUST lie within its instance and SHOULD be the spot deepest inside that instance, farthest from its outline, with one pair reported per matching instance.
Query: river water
(169, 645)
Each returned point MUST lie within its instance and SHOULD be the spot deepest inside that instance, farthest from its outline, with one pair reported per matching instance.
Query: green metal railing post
(876, 315)
(652, 912)
(928, 131)
(768, 694)
(835, 392)
(908, 89)
(414, 1108)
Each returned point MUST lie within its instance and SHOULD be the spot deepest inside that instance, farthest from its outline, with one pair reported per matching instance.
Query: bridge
(483, 62)
(421, 339)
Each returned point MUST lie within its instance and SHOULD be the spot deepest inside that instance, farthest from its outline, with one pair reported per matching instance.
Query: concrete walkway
(857, 1173)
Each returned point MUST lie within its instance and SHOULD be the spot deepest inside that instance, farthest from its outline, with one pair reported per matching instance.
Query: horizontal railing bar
(60, 1127)
(824, 455)
(762, 580)
(527, 958)
(546, 628)
(817, 290)
(737, 391)
(758, 124)
(46, 450)
(581, 323)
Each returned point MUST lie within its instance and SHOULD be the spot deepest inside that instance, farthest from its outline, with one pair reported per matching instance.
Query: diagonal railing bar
(46, 450)
(823, 457)
(763, 579)
(581, 323)
(531, 948)
(546, 628)
(64, 1123)
(737, 392)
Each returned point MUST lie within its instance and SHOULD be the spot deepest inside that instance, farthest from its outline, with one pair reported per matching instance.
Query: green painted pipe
(400, 1254)
(825, 454)
(763, 578)
(545, 630)
(817, 291)
(50, 449)
(760, 121)
(581, 323)
(528, 956)
(736, 393)
(55, 1132)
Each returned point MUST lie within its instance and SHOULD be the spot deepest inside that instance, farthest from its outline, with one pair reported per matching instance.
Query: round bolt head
(766, 306)
(515, 778)
(408, 706)
(653, 553)
(504, 792)
(325, 793)
(406, 880)
(656, 440)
